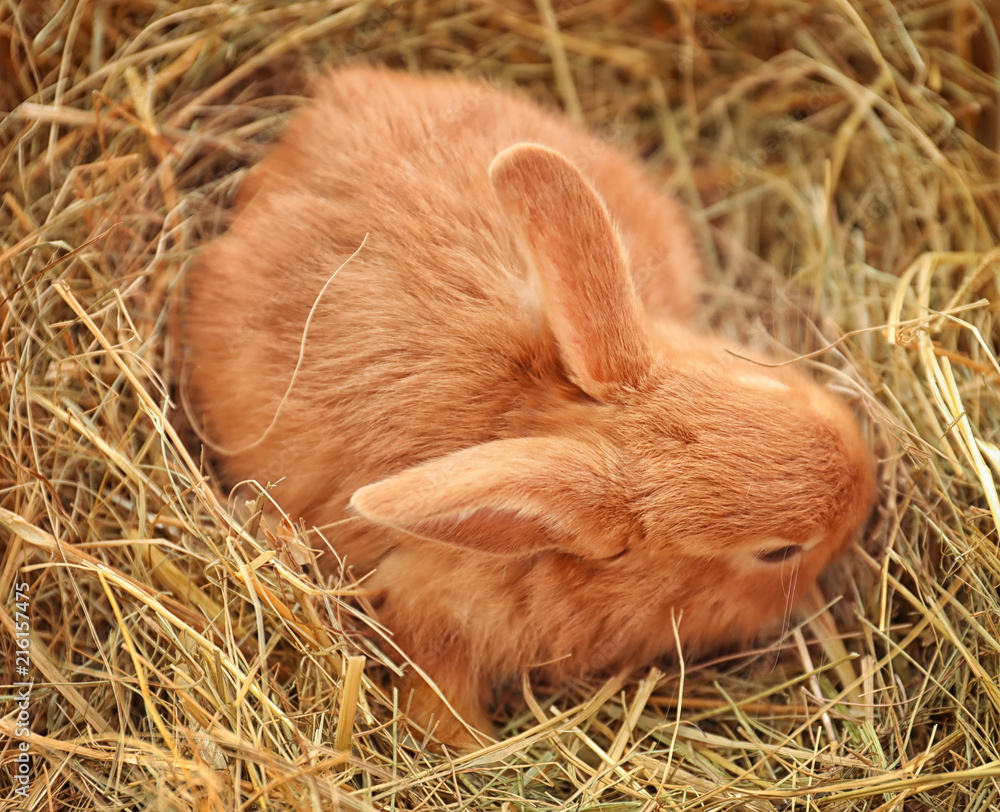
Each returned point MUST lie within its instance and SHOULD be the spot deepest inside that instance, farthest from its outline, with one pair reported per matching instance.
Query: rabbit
(458, 322)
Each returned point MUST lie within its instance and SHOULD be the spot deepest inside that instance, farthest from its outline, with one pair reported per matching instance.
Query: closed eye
(778, 555)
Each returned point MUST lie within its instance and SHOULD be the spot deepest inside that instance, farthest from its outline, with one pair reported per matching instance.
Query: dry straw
(840, 162)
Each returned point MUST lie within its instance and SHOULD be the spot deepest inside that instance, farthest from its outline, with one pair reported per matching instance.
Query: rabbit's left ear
(508, 497)
(566, 234)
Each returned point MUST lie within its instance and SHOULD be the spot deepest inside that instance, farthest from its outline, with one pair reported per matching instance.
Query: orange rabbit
(546, 469)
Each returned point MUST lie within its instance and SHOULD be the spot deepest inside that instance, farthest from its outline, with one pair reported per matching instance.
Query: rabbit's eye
(779, 555)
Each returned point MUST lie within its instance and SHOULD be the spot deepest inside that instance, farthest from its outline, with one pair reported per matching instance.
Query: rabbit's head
(732, 483)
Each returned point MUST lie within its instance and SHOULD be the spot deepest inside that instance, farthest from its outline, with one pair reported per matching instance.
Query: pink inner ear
(490, 530)
(564, 229)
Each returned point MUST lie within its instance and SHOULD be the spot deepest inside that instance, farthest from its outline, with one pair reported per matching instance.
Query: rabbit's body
(461, 356)
(550, 471)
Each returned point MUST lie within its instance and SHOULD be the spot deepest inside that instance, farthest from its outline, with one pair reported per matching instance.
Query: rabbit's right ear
(565, 232)
(508, 497)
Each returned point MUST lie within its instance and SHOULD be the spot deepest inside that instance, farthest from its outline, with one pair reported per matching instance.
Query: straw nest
(840, 162)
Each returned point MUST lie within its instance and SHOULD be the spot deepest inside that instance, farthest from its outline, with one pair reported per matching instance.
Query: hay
(841, 161)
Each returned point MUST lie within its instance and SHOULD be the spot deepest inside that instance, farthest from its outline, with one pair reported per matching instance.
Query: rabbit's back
(407, 157)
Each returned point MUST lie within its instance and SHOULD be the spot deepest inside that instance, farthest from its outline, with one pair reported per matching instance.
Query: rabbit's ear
(566, 234)
(509, 497)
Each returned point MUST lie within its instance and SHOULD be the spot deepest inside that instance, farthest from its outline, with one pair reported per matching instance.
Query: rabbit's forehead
(745, 488)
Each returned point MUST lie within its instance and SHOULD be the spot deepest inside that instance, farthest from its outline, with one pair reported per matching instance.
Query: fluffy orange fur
(546, 468)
